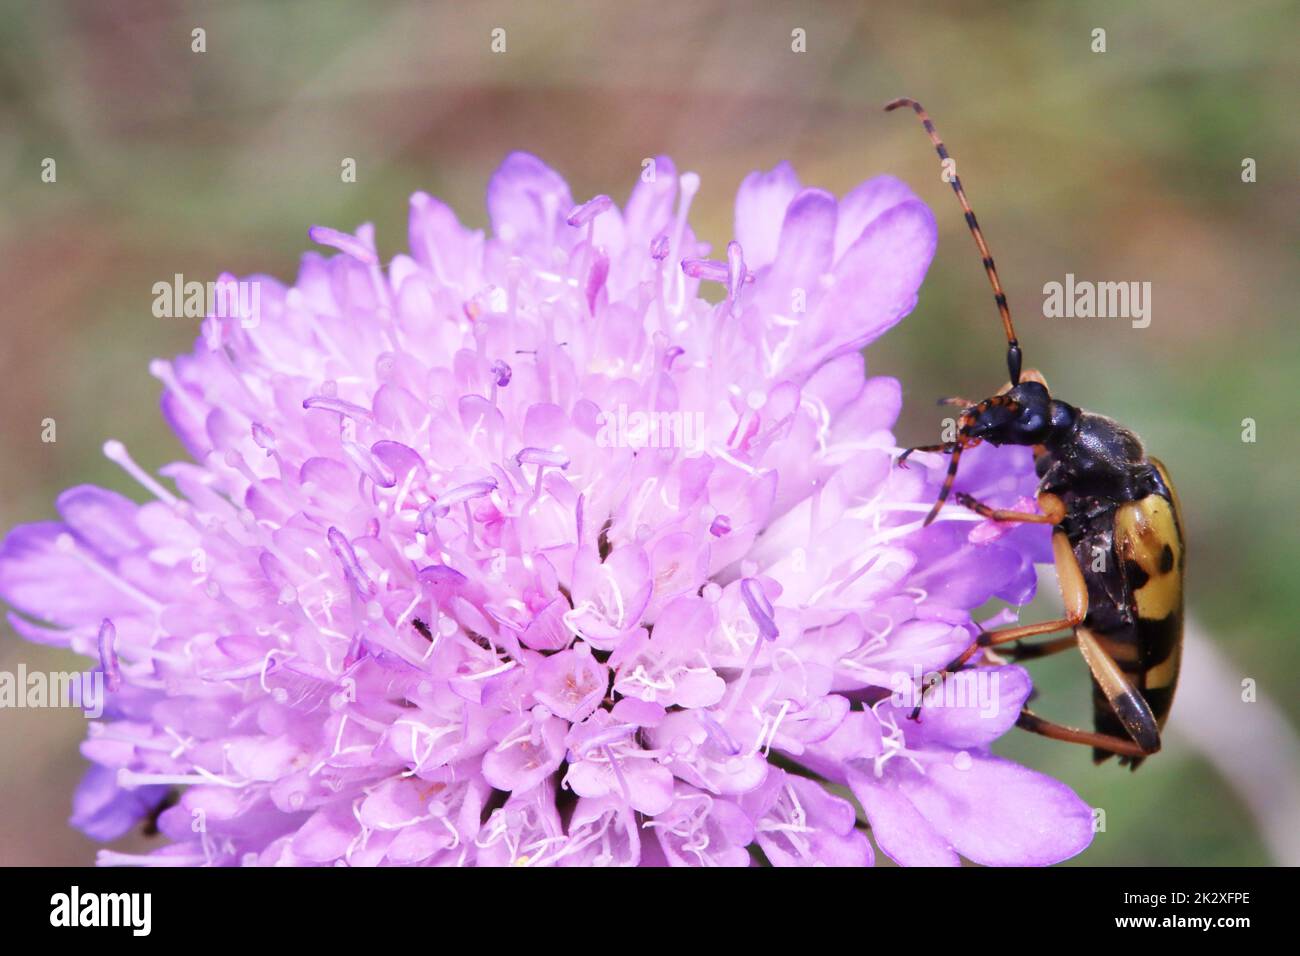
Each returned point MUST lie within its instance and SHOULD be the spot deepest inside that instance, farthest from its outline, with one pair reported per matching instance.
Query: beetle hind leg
(1103, 746)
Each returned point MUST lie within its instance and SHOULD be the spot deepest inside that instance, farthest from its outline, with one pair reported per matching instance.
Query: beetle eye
(1032, 420)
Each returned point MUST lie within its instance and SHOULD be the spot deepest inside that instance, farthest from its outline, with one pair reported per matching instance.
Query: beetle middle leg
(946, 448)
(1008, 634)
(1021, 650)
(1074, 592)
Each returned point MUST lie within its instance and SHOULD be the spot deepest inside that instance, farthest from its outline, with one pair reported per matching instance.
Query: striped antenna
(1013, 346)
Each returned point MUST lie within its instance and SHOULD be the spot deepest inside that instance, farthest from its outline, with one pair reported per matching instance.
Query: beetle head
(1025, 414)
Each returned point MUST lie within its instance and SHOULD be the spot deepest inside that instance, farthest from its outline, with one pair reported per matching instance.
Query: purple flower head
(516, 550)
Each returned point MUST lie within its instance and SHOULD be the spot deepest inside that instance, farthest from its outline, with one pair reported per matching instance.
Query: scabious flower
(445, 584)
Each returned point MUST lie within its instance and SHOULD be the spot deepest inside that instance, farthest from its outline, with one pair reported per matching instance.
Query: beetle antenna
(1013, 346)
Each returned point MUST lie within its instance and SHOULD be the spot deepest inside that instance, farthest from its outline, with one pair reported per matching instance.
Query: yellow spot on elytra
(1142, 531)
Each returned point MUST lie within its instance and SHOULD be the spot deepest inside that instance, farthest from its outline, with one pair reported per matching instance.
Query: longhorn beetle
(1117, 540)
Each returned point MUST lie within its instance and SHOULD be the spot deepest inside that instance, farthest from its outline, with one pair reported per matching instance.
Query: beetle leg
(1074, 592)
(1000, 514)
(946, 447)
(1005, 636)
(1024, 651)
(1125, 700)
(1008, 634)
(1030, 721)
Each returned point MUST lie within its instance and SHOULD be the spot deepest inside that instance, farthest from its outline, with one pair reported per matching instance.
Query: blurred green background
(1115, 166)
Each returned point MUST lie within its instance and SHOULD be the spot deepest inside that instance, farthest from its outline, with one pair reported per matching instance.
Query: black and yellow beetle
(1117, 540)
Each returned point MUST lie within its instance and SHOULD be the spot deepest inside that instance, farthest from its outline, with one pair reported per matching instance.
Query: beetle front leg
(1000, 514)
(946, 448)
